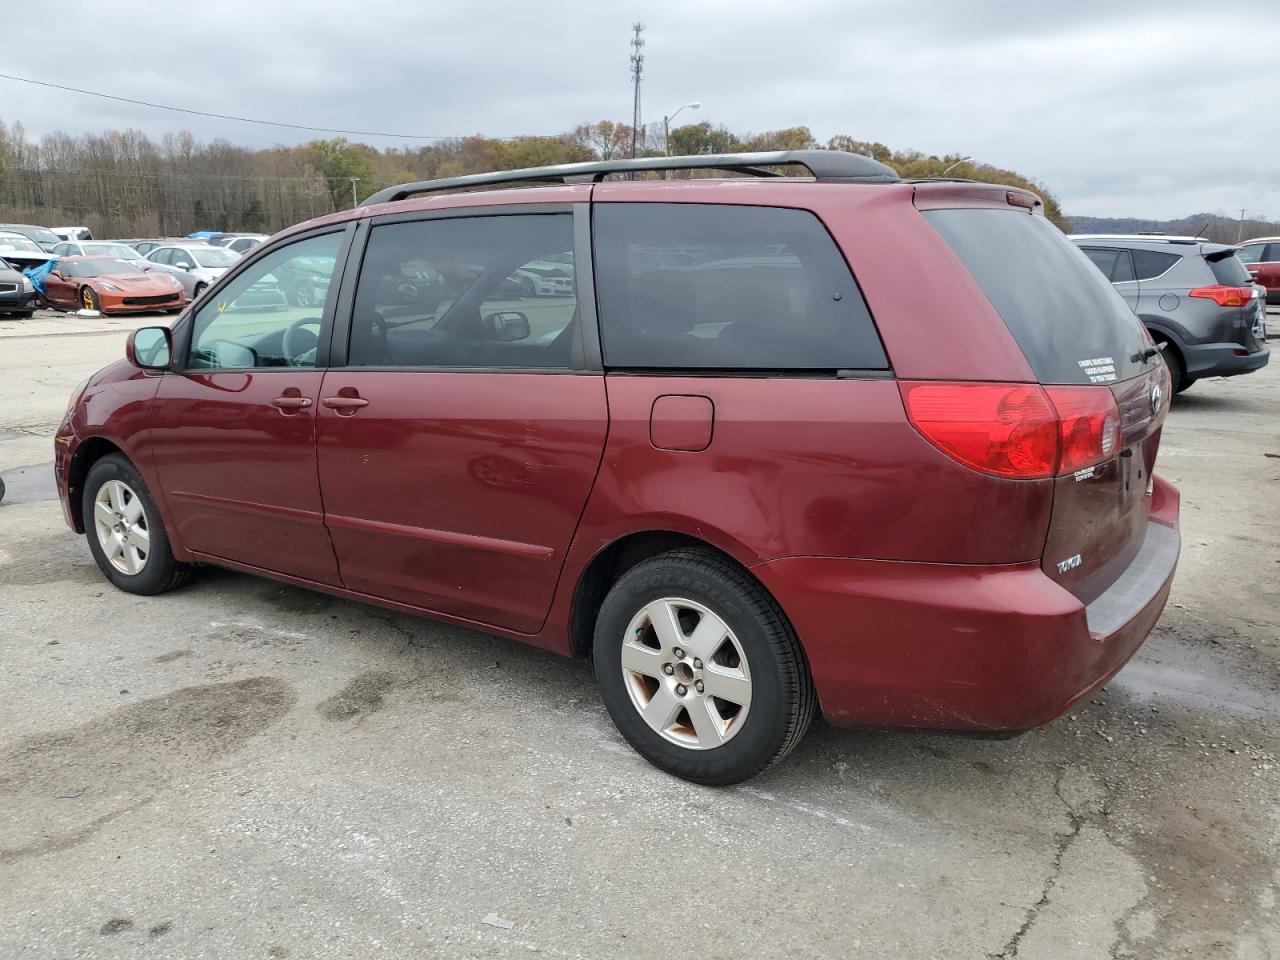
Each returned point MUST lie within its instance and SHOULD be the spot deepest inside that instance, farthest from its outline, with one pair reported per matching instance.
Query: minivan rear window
(1069, 321)
(723, 287)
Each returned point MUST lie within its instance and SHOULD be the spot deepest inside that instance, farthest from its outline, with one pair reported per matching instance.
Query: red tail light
(1089, 424)
(1005, 429)
(1016, 430)
(1224, 296)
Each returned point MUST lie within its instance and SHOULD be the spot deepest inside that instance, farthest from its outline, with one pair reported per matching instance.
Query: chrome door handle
(348, 404)
(291, 403)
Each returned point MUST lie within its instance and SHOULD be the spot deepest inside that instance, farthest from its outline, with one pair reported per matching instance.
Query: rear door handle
(291, 403)
(349, 404)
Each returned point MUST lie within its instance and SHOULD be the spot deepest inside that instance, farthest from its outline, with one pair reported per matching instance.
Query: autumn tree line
(124, 184)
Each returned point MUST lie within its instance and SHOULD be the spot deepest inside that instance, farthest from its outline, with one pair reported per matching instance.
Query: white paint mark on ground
(253, 623)
(808, 809)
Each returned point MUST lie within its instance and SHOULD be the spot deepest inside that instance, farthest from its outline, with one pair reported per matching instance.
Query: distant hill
(1211, 226)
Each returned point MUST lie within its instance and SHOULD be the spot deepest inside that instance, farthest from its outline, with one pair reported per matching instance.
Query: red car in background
(1262, 259)
(111, 286)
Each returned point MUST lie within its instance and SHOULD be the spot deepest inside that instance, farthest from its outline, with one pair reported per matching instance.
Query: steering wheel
(298, 341)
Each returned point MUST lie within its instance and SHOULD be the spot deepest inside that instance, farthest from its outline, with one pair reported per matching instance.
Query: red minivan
(758, 445)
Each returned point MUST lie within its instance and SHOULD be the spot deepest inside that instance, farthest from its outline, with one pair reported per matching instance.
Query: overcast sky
(1152, 109)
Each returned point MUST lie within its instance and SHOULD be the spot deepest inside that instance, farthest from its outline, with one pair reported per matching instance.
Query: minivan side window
(495, 291)
(717, 286)
(1251, 253)
(270, 314)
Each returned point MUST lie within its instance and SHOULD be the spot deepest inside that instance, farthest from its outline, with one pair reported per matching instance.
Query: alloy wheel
(686, 673)
(121, 525)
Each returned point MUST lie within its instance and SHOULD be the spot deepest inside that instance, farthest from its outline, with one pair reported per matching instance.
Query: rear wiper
(1146, 353)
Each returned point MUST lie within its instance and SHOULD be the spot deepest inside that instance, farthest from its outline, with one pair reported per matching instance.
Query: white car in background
(196, 265)
(73, 233)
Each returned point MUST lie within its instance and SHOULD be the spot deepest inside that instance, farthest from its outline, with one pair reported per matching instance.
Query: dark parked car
(17, 295)
(1194, 297)
(753, 463)
(1261, 258)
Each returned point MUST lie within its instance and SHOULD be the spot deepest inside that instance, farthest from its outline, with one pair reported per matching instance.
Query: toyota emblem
(1156, 395)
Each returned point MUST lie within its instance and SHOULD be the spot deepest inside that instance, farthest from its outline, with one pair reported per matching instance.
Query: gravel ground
(243, 769)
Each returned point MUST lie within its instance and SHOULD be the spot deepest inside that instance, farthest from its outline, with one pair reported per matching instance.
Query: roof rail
(823, 164)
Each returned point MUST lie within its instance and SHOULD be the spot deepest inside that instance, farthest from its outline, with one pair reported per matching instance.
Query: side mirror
(55, 273)
(149, 348)
(506, 327)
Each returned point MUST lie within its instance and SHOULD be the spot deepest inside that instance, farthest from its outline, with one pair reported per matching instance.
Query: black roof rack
(829, 165)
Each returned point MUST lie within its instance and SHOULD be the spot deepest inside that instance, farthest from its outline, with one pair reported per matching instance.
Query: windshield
(118, 250)
(96, 267)
(12, 243)
(214, 256)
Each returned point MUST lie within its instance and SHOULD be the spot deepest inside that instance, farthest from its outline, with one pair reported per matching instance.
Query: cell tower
(637, 69)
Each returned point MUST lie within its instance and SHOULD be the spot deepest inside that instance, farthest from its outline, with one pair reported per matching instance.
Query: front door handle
(347, 405)
(291, 403)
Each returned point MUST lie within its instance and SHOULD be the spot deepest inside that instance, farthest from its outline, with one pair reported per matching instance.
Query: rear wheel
(1177, 369)
(89, 299)
(125, 532)
(700, 670)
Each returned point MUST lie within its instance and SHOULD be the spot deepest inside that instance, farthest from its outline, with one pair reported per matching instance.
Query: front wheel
(89, 299)
(125, 532)
(700, 670)
(200, 288)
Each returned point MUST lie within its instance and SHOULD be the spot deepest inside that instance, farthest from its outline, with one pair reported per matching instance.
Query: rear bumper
(1219, 360)
(963, 647)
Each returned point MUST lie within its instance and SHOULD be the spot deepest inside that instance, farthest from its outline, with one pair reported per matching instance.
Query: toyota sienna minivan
(754, 462)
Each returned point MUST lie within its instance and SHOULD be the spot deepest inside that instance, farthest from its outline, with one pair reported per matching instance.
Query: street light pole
(666, 124)
(354, 203)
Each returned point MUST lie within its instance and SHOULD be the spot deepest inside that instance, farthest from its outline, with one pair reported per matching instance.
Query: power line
(226, 116)
(171, 176)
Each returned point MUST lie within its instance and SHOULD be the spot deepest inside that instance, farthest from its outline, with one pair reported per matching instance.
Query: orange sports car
(111, 286)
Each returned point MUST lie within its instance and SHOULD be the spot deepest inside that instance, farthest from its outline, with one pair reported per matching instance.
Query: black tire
(160, 572)
(782, 700)
(89, 299)
(200, 288)
(1177, 370)
(21, 315)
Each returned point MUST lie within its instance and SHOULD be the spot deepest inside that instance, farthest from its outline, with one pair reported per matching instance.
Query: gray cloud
(1142, 108)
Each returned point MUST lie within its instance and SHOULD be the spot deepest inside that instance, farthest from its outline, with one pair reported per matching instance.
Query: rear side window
(1148, 264)
(1069, 321)
(1114, 264)
(1227, 269)
(703, 286)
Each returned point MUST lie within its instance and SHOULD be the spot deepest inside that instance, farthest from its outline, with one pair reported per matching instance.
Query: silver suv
(1195, 298)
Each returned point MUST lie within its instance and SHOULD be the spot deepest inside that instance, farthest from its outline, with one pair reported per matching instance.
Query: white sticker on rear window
(1099, 369)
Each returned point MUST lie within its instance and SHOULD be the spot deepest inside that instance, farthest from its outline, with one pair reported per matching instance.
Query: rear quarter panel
(804, 467)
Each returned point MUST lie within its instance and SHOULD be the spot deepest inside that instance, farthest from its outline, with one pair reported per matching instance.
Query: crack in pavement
(1062, 843)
